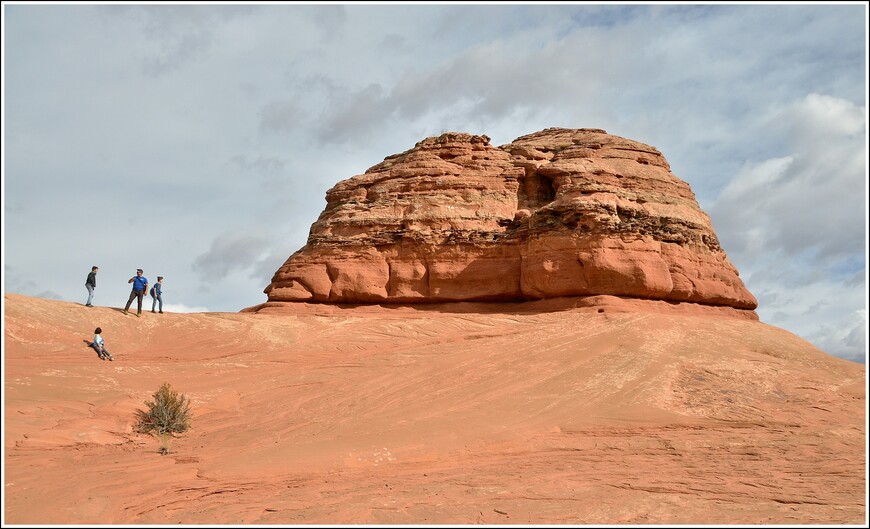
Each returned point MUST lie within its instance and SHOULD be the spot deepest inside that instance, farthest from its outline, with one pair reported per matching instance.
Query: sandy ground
(458, 414)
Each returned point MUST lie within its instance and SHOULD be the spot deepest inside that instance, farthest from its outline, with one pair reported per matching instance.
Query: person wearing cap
(140, 286)
(157, 294)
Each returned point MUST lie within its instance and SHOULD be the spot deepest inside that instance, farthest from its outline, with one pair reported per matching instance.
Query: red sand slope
(494, 414)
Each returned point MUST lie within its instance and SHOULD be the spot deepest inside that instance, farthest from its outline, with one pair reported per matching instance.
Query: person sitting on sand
(99, 345)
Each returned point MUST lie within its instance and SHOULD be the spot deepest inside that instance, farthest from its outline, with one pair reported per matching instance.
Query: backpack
(153, 295)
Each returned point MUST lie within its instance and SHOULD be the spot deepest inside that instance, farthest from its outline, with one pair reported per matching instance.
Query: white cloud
(174, 307)
(811, 202)
(756, 179)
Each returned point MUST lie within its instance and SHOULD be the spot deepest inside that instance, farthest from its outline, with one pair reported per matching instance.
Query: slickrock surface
(492, 413)
(558, 213)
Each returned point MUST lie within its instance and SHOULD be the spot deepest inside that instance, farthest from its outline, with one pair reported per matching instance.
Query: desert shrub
(168, 413)
(165, 440)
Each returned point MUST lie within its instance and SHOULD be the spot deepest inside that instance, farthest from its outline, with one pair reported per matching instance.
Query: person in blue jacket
(140, 286)
(157, 294)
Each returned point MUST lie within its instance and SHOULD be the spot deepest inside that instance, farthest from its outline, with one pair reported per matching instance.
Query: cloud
(848, 339)
(174, 307)
(331, 20)
(174, 36)
(267, 267)
(809, 203)
(176, 50)
(229, 253)
(259, 165)
(281, 116)
(17, 281)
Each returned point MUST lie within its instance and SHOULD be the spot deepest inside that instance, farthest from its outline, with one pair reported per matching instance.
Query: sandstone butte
(546, 333)
(558, 213)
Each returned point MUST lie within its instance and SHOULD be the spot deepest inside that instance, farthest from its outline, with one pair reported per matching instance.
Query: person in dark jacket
(91, 284)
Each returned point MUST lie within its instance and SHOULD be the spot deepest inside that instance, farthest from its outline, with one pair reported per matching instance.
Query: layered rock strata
(557, 213)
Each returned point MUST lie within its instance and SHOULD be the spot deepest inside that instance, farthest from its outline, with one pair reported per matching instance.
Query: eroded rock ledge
(557, 213)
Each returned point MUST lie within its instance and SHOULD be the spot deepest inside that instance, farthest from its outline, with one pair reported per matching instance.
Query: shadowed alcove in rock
(535, 190)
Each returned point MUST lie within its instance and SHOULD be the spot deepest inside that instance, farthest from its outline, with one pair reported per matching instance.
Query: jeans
(135, 294)
(155, 300)
(90, 293)
(101, 350)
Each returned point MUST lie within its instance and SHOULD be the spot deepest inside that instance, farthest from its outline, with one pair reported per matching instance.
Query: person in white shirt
(99, 345)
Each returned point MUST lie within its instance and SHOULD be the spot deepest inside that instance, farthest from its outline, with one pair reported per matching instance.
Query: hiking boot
(125, 311)
(153, 312)
(161, 312)
(138, 314)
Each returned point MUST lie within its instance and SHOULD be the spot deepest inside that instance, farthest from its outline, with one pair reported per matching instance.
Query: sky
(197, 141)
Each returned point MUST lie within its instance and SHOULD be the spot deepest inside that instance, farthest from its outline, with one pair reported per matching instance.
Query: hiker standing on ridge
(91, 284)
(157, 294)
(140, 286)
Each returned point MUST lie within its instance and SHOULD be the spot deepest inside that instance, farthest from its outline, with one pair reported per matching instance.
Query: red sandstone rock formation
(557, 213)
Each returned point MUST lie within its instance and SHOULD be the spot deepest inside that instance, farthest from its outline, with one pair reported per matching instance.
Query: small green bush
(168, 413)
